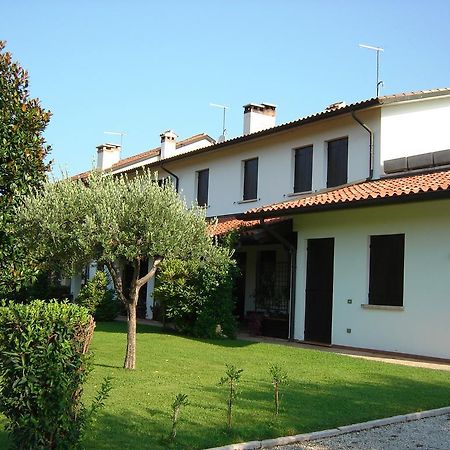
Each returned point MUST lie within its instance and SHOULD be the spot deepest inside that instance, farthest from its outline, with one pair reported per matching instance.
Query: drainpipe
(177, 179)
(371, 149)
(293, 255)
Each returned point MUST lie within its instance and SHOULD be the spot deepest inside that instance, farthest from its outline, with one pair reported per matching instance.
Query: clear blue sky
(144, 66)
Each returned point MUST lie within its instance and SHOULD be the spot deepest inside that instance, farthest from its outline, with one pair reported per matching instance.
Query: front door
(319, 290)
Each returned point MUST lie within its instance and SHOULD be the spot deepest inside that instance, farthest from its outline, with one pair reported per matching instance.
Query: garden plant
(181, 400)
(44, 364)
(231, 380)
(279, 377)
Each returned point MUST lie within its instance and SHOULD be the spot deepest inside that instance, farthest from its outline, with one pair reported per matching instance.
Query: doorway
(319, 290)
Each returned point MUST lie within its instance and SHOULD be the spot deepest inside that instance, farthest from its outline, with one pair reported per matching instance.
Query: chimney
(168, 144)
(107, 155)
(258, 117)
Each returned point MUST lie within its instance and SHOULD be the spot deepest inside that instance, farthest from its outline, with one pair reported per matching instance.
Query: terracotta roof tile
(230, 223)
(385, 188)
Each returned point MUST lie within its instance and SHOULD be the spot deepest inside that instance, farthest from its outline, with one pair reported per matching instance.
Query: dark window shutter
(303, 169)
(202, 187)
(386, 276)
(337, 166)
(250, 179)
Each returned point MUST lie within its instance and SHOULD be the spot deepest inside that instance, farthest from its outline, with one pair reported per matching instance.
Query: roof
(225, 224)
(123, 163)
(322, 115)
(156, 151)
(422, 186)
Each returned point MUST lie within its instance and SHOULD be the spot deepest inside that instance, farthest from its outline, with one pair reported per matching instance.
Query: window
(386, 270)
(337, 162)
(202, 187)
(303, 169)
(250, 179)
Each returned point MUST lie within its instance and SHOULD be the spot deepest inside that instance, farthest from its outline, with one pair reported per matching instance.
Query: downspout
(293, 254)
(177, 179)
(371, 147)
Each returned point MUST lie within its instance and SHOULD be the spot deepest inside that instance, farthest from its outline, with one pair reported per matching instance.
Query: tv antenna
(117, 133)
(224, 130)
(377, 50)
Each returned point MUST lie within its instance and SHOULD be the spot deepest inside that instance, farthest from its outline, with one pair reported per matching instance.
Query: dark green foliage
(43, 366)
(197, 294)
(98, 299)
(46, 286)
(231, 379)
(22, 166)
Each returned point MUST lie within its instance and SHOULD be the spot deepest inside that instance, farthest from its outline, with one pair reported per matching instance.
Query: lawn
(325, 390)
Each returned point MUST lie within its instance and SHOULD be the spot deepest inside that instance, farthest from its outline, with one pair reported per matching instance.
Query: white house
(344, 218)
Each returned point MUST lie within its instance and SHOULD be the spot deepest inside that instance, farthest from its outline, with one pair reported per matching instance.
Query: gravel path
(428, 434)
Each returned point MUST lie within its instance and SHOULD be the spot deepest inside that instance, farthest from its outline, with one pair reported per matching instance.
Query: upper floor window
(386, 275)
(337, 162)
(250, 179)
(202, 187)
(303, 160)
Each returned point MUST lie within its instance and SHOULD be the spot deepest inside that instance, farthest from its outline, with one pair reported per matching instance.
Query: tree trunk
(130, 355)
(131, 302)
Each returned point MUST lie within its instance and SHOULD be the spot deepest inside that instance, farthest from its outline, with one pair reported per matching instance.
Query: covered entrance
(264, 294)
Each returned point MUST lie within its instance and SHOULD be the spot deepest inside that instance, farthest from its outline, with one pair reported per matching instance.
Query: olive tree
(117, 221)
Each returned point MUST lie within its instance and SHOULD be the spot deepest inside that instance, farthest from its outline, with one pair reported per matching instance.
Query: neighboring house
(354, 249)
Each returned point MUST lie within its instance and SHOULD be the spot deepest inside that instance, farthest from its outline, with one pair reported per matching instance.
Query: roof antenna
(222, 137)
(117, 133)
(378, 50)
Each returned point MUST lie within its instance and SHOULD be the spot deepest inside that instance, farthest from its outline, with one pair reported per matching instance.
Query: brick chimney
(258, 117)
(168, 144)
(107, 155)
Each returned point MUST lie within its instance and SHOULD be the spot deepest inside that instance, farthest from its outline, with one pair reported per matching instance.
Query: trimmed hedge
(43, 365)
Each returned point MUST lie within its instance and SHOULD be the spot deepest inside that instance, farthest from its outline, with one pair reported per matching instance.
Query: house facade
(343, 218)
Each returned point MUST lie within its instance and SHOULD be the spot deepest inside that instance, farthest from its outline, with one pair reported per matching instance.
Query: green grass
(325, 390)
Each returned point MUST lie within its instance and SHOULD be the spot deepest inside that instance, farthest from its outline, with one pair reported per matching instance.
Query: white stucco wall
(422, 328)
(275, 164)
(415, 127)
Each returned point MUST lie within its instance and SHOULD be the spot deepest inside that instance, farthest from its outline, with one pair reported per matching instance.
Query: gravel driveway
(432, 433)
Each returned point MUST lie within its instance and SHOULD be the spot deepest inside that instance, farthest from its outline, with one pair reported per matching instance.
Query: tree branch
(117, 279)
(156, 262)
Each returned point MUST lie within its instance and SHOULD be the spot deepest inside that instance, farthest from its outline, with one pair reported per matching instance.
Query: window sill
(251, 200)
(296, 194)
(383, 307)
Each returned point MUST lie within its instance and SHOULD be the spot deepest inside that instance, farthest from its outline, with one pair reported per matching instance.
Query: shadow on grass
(121, 327)
(305, 407)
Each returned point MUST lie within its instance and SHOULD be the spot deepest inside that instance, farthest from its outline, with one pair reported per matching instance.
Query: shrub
(198, 295)
(43, 366)
(46, 286)
(100, 301)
